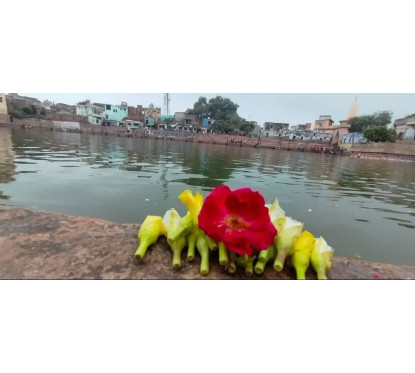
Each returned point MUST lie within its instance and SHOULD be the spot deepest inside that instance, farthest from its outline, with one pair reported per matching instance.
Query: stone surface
(40, 245)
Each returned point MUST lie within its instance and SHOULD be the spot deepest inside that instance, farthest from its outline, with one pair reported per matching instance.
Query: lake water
(359, 206)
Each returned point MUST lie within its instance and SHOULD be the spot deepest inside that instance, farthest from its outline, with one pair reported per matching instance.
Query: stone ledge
(43, 245)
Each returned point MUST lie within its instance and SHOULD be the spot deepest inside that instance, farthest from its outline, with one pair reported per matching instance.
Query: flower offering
(246, 232)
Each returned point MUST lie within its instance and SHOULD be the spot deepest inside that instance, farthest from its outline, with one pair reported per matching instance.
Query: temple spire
(353, 109)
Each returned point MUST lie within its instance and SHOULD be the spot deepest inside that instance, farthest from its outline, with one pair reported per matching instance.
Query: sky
(292, 108)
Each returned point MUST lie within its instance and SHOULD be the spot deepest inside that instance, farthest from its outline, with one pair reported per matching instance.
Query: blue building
(206, 123)
(116, 112)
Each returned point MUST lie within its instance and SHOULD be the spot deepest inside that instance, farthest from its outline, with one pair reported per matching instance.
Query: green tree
(223, 112)
(358, 124)
(222, 126)
(380, 134)
(380, 118)
(200, 108)
(220, 108)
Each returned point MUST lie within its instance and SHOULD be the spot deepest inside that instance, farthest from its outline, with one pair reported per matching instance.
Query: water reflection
(360, 206)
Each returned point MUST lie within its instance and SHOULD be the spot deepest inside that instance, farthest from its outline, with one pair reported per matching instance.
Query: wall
(3, 104)
(386, 148)
(136, 114)
(65, 126)
(4, 118)
(66, 117)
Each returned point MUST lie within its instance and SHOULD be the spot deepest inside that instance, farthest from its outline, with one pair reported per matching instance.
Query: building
(3, 104)
(324, 124)
(16, 103)
(94, 113)
(136, 113)
(405, 127)
(149, 121)
(153, 112)
(258, 131)
(47, 104)
(184, 119)
(115, 112)
(206, 123)
(61, 108)
(272, 129)
(299, 128)
(340, 131)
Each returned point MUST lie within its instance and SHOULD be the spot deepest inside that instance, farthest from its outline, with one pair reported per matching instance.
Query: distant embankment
(401, 151)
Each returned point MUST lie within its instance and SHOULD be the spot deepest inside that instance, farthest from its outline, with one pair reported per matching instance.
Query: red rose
(237, 218)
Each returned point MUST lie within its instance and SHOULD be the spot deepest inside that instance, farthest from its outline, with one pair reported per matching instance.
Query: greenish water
(360, 206)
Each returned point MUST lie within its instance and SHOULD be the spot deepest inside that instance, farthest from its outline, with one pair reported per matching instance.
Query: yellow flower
(148, 233)
(276, 213)
(189, 223)
(171, 221)
(193, 203)
(302, 247)
(289, 228)
(321, 258)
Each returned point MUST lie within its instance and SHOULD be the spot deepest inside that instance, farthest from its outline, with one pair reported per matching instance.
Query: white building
(94, 113)
(405, 128)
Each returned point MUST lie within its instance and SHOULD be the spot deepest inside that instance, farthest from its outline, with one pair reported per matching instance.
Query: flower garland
(247, 233)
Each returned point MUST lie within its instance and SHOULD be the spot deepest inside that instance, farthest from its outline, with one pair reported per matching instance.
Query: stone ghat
(384, 156)
(40, 245)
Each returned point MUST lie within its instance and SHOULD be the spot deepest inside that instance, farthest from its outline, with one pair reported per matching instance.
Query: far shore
(400, 151)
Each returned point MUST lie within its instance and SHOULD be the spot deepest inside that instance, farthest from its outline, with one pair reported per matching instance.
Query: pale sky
(292, 108)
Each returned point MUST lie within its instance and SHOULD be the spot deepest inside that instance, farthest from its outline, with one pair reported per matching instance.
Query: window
(108, 107)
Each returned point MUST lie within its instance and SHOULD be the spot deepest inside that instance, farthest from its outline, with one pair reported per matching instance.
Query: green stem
(203, 248)
(204, 264)
(177, 258)
(279, 261)
(141, 251)
(266, 255)
(249, 266)
(223, 255)
(259, 267)
(232, 262)
(191, 247)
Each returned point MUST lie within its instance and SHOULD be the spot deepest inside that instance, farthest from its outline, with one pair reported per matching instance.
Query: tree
(223, 112)
(200, 108)
(380, 118)
(380, 134)
(220, 108)
(222, 126)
